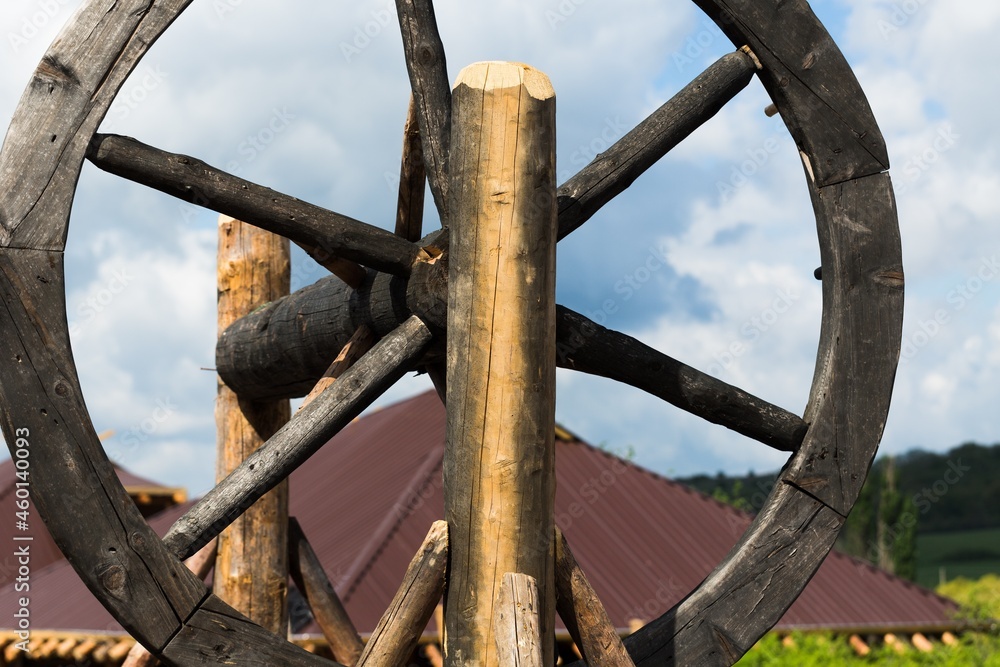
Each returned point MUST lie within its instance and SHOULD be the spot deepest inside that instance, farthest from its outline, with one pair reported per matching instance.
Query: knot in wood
(62, 388)
(112, 577)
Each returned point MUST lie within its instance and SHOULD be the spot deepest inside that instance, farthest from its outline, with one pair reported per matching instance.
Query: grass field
(969, 554)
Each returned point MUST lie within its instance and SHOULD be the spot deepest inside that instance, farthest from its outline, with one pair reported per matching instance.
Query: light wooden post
(499, 462)
(251, 570)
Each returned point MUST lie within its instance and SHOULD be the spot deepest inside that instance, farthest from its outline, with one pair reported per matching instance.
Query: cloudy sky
(321, 89)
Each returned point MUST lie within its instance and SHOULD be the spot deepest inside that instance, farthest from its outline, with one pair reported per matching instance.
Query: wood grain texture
(309, 429)
(66, 99)
(283, 349)
(327, 609)
(584, 614)
(73, 485)
(412, 180)
(516, 623)
(219, 635)
(399, 630)
(499, 460)
(326, 233)
(810, 82)
(611, 172)
(251, 570)
(860, 337)
(428, 71)
(586, 346)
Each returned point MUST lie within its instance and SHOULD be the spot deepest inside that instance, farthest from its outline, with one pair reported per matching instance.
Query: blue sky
(330, 77)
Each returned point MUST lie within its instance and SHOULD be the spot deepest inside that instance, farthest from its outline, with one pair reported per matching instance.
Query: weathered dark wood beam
(428, 70)
(588, 347)
(328, 234)
(611, 172)
(281, 351)
(412, 180)
(314, 585)
(310, 429)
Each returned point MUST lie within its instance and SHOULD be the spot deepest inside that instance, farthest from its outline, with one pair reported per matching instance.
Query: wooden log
(251, 568)
(193, 181)
(310, 429)
(352, 273)
(516, 622)
(412, 180)
(399, 630)
(428, 71)
(283, 349)
(362, 341)
(327, 609)
(586, 346)
(583, 613)
(611, 172)
(499, 459)
(265, 354)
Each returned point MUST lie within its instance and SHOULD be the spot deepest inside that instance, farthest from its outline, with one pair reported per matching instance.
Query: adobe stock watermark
(752, 329)
(248, 150)
(914, 169)
(363, 34)
(224, 8)
(562, 12)
(98, 301)
(585, 153)
(741, 173)
(145, 82)
(141, 432)
(35, 22)
(697, 44)
(900, 14)
(959, 297)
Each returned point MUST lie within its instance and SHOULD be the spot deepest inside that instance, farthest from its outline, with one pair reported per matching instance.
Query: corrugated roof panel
(367, 499)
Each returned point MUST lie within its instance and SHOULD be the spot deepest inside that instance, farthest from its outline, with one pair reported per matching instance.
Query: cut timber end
(499, 461)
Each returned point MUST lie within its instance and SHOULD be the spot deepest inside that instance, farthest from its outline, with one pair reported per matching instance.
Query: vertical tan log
(251, 570)
(499, 481)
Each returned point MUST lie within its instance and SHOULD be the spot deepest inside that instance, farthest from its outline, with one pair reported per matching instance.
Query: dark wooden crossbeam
(326, 233)
(611, 172)
(428, 70)
(310, 429)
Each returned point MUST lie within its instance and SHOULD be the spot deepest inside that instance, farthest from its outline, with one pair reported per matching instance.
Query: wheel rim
(157, 599)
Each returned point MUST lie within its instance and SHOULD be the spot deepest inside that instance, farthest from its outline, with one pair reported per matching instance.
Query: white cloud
(739, 238)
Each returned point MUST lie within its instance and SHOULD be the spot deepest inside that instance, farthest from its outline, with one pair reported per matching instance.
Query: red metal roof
(367, 499)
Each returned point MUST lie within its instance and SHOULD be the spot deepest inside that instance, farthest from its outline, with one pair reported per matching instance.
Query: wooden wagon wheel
(140, 578)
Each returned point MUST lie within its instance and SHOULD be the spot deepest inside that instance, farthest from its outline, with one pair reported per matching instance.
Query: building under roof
(367, 499)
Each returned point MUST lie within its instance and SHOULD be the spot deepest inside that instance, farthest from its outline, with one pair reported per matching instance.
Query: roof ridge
(390, 524)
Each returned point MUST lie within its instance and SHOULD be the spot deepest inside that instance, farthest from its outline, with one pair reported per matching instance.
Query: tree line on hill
(918, 491)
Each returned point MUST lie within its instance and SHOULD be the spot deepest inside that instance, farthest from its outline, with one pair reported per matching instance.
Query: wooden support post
(516, 622)
(499, 460)
(251, 571)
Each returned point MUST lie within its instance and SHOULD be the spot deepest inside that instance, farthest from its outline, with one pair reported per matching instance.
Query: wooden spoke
(412, 179)
(198, 183)
(309, 430)
(311, 580)
(399, 630)
(362, 341)
(614, 170)
(586, 346)
(583, 613)
(428, 70)
(516, 622)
